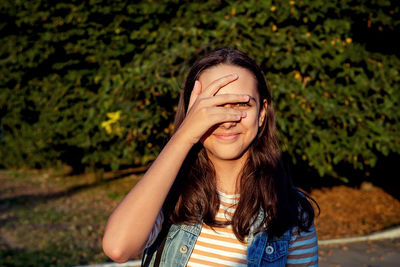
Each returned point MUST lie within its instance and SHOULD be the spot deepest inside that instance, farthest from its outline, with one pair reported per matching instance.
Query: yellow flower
(112, 126)
(297, 76)
(274, 28)
(107, 126)
(114, 116)
(348, 40)
(273, 8)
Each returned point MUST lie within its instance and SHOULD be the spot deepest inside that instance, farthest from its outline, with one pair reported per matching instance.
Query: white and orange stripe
(218, 246)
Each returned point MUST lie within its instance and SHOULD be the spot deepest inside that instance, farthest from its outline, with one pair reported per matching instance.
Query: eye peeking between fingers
(239, 105)
(242, 104)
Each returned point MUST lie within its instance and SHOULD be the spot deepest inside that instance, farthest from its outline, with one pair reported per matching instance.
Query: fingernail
(247, 97)
(235, 75)
(244, 114)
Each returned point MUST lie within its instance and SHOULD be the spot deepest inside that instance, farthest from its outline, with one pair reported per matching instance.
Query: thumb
(195, 93)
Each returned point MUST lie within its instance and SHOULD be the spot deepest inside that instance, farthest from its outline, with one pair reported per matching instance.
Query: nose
(228, 124)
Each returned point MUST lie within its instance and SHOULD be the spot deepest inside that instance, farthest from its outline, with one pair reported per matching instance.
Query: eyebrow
(252, 98)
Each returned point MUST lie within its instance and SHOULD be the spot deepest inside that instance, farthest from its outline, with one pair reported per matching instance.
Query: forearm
(130, 224)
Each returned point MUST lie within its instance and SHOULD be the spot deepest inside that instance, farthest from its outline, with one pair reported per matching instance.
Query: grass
(51, 220)
(47, 219)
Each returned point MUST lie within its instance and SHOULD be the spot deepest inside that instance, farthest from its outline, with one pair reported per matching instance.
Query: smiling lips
(227, 136)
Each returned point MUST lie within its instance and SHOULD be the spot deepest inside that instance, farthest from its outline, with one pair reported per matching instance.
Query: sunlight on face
(231, 140)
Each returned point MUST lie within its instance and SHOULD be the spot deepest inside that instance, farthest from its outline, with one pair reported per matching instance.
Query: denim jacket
(261, 250)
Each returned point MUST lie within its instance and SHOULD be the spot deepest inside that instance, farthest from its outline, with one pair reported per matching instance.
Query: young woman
(218, 189)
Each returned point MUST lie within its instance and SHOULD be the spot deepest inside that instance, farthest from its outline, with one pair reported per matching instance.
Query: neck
(227, 174)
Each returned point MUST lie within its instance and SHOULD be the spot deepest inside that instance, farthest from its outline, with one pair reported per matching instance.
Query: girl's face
(231, 140)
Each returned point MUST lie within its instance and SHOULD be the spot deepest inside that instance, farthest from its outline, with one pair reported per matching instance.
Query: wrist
(184, 137)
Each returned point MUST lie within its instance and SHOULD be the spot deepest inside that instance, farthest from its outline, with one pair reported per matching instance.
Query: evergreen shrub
(94, 84)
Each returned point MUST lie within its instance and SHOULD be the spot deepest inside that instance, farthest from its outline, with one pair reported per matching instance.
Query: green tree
(95, 84)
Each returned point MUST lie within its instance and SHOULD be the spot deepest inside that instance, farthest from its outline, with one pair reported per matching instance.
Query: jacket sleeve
(156, 229)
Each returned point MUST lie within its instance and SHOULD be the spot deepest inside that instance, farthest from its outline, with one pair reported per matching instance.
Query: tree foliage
(95, 83)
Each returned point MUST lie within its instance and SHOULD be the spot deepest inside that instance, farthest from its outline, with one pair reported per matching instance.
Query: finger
(224, 114)
(195, 93)
(225, 99)
(214, 87)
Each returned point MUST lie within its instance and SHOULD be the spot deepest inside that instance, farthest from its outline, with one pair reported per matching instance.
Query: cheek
(250, 121)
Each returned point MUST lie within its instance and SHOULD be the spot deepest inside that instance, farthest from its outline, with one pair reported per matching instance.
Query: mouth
(227, 137)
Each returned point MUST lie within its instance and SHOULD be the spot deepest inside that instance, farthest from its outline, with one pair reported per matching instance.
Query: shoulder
(303, 247)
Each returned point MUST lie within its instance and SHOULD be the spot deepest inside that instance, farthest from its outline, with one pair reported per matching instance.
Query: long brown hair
(264, 184)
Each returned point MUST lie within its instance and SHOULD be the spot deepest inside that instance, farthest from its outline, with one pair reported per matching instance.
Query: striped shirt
(218, 246)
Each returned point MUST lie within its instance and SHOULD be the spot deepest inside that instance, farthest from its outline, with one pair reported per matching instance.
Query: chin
(226, 155)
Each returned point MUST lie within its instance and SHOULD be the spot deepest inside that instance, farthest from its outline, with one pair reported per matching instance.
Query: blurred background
(89, 89)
